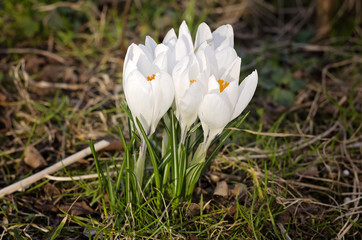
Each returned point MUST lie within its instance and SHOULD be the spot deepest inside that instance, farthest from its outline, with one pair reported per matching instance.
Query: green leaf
(28, 25)
(59, 228)
(286, 78)
(283, 97)
(297, 84)
(153, 160)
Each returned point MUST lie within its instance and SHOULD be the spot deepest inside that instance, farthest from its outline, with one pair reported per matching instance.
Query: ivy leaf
(283, 97)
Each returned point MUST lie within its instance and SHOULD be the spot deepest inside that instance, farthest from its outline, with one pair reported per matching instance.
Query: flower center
(151, 78)
(192, 81)
(223, 84)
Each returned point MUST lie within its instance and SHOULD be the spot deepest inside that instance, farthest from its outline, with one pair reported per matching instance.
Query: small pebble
(345, 172)
(347, 199)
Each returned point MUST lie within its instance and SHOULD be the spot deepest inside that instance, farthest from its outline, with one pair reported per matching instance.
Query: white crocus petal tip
(170, 37)
(203, 35)
(184, 29)
(223, 37)
(247, 89)
(233, 72)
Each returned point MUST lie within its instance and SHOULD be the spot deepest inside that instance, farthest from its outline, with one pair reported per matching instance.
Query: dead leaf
(232, 210)
(51, 190)
(4, 125)
(238, 190)
(33, 158)
(115, 145)
(77, 209)
(51, 73)
(70, 75)
(309, 172)
(5, 221)
(2, 97)
(33, 63)
(193, 210)
(214, 178)
(221, 189)
(193, 237)
(325, 14)
(284, 217)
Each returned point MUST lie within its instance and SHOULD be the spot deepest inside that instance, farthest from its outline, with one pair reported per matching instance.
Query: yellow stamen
(223, 84)
(192, 81)
(151, 78)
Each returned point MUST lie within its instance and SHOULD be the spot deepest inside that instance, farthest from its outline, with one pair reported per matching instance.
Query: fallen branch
(74, 178)
(33, 51)
(21, 185)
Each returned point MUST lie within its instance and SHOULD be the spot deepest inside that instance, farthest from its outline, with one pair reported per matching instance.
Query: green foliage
(280, 84)
(24, 20)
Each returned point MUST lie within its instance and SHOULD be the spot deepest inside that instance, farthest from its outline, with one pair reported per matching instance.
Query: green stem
(174, 156)
(140, 164)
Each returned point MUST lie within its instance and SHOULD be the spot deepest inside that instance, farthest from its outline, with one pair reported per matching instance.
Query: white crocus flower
(221, 38)
(148, 89)
(190, 78)
(178, 47)
(225, 100)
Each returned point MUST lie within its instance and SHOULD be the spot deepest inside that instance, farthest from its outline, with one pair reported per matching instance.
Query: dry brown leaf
(115, 145)
(4, 124)
(70, 75)
(238, 190)
(51, 190)
(232, 210)
(193, 237)
(310, 172)
(33, 158)
(193, 210)
(2, 97)
(221, 189)
(77, 209)
(33, 63)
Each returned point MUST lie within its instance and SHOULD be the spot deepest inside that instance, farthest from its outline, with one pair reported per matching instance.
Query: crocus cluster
(198, 79)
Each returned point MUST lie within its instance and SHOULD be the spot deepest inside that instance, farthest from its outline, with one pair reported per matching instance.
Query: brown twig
(33, 51)
(21, 185)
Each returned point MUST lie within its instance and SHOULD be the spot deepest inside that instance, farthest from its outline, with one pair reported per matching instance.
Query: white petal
(211, 60)
(194, 69)
(231, 92)
(184, 44)
(247, 89)
(223, 37)
(164, 92)
(188, 107)
(140, 99)
(213, 84)
(214, 111)
(170, 37)
(180, 76)
(148, 52)
(133, 53)
(202, 58)
(160, 48)
(150, 43)
(161, 60)
(203, 35)
(146, 67)
(224, 59)
(184, 33)
(233, 72)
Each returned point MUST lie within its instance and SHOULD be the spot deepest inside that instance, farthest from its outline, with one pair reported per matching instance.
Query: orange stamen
(223, 84)
(192, 81)
(151, 78)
